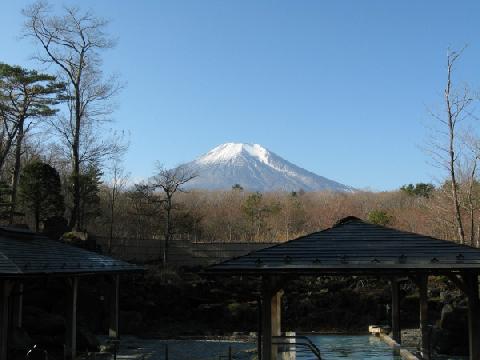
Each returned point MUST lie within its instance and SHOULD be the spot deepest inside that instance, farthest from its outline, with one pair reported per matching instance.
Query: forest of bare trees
(240, 216)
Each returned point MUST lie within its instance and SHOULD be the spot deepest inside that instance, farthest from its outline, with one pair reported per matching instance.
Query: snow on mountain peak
(255, 169)
(230, 151)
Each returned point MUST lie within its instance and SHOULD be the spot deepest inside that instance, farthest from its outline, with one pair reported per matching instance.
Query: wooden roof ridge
(411, 233)
(27, 253)
(354, 244)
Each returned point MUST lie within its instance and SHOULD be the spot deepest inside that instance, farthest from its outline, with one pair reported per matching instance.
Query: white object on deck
(377, 330)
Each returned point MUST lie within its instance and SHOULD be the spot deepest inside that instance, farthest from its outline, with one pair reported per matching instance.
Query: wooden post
(114, 307)
(422, 283)
(271, 324)
(5, 289)
(17, 306)
(266, 326)
(259, 331)
(396, 331)
(276, 309)
(471, 284)
(71, 318)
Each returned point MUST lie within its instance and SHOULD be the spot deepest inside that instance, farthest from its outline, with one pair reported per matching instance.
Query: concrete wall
(181, 252)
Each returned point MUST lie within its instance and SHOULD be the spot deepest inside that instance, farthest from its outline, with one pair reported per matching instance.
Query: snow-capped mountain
(255, 169)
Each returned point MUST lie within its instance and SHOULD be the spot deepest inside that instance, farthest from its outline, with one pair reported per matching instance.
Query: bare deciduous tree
(72, 43)
(445, 148)
(170, 181)
(117, 184)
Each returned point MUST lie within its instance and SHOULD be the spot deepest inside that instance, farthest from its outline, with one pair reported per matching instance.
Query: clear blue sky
(340, 88)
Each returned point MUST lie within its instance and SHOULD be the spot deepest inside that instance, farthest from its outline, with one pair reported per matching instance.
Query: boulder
(451, 337)
(454, 319)
(131, 322)
(19, 339)
(449, 343)
(41, 322)
(86, 340)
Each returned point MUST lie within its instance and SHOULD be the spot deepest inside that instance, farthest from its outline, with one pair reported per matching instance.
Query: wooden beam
(71, 318)
(396, 330)
(17, 305)
(422, 283)
(5, 290)
(471, 282)
(114, 308)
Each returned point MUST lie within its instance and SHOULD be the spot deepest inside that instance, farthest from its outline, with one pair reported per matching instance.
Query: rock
(131, 322)
(19, 339)
(103, 356)
(86, 340)
(107, 348)
(55, 227)
(451, 337)
(41, 322)
(79, 239)
(449, 343)
(454, 319)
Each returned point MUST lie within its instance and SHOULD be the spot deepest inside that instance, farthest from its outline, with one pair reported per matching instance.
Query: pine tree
(25, 97)
(90, 181)
(40, 192)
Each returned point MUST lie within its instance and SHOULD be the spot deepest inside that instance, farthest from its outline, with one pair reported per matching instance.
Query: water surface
(355, 347)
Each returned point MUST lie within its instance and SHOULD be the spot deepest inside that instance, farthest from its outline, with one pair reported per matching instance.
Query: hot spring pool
(332, 347)
(355, 347)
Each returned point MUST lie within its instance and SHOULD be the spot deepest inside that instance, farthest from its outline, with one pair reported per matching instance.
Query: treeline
(241, 216)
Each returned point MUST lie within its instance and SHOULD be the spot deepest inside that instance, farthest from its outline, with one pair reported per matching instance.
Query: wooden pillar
(271, 323)
(266, 327)
(396, 331)
(276, 309)
(259, 331)
(5, 290)
(114, 307)
(71, 319)
(17, 306)
(422, 283)
(471, 284)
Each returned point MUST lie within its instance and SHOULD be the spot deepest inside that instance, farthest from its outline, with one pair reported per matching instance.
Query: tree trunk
(6, 151)
(16, 168)
(167, 230)
(112, 217)
(75, 215)
(37, 219)
(451, 151)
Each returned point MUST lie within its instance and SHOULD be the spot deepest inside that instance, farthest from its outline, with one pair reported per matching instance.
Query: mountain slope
(256, 169)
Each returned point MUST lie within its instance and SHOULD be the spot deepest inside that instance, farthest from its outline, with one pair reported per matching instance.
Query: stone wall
(181, 252)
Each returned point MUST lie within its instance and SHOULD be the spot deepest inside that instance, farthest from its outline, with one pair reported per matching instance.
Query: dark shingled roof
(355, 246)
(24, 253)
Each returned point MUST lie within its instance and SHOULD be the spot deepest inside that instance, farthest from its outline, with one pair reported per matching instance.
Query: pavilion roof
(24, 253)
(355, 246)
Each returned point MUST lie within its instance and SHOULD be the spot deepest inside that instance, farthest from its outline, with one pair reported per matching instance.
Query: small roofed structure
(355, 247)
(27, 255)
